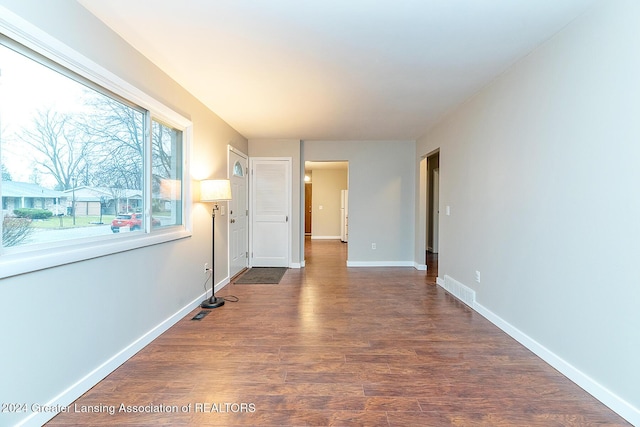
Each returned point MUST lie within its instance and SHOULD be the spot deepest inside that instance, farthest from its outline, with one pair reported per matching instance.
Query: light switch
(447, 210)
(320, 207)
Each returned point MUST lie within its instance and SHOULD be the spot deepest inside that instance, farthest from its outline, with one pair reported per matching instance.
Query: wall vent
(458, 290)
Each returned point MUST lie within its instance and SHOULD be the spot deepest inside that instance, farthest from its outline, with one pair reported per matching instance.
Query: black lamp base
(213, 302)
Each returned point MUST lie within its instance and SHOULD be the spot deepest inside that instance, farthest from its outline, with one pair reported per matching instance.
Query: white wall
(381, 197)
(61, 324)
(541, 172)
(326, 192)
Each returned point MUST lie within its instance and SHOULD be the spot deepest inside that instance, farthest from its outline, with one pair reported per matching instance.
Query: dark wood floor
(332, 345)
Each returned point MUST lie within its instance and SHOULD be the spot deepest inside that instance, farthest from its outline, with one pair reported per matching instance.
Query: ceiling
(334, 69)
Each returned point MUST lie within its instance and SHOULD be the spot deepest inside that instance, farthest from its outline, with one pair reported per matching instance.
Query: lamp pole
(213, 302)
(215, 191)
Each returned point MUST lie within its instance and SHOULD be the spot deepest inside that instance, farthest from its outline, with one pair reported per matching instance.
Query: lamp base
(213, 302)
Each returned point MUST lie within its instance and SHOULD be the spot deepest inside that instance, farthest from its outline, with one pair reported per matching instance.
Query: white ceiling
(334, 69)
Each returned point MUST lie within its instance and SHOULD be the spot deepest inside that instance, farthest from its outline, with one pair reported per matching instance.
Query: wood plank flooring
(338, 346)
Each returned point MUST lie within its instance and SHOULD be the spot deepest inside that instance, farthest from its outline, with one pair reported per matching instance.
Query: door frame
(435, 210)
(432, 164)
(424, 206)
(308, 208)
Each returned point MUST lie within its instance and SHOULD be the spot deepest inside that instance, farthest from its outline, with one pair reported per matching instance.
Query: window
(237, 169)
(166, 175)
(83, 163)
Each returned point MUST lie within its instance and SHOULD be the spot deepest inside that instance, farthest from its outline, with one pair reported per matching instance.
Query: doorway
(433, 203)
(308, 205)
(325, 204)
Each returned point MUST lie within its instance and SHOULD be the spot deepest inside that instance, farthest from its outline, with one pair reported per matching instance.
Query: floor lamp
(214, 190)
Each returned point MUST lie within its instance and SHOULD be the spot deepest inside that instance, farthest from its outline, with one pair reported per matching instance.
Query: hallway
(332, 345)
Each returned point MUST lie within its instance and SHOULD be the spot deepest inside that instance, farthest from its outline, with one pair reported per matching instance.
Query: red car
(131, 220)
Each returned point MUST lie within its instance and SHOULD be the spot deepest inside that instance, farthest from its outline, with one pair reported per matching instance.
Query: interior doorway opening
(326, 200)
(308, 204)
(433, 203)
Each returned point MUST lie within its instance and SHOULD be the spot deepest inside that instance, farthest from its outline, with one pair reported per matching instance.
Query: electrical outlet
(206, 267)
(373, 246)
(477, 276)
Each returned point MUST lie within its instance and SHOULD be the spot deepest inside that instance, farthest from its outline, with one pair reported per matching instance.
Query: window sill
(40, 259)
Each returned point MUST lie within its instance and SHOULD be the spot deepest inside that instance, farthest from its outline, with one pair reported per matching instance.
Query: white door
(270, 212)
(238, 219)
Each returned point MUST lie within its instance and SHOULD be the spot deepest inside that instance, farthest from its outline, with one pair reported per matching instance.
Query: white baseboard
(295, 265)
(604, 395)
(380, 264)
(325, 237)
(421, 267)
(68, 396)
(221, 284)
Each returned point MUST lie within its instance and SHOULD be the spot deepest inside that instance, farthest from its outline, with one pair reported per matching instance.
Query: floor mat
(262, 276)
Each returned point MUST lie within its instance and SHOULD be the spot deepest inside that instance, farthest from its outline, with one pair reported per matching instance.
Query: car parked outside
(131, 220)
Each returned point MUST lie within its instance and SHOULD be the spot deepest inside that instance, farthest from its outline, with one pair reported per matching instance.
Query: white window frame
(28, 259)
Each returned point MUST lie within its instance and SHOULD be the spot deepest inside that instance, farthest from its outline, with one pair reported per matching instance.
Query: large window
(82, 163)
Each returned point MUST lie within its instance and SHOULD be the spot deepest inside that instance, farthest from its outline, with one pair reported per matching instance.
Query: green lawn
(67, 221)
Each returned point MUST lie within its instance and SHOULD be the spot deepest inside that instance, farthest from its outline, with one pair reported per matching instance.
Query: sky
(26, 86)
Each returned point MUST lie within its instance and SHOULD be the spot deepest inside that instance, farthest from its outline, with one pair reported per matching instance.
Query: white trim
(420, 267)
(220, 285)
(98, 374)
(380, 264)
(69, 395)
(25, 262)
(237, 151)
(295, 265)
(325, 237)
(604, 395)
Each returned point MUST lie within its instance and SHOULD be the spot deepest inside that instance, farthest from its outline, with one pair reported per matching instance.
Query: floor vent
(200, 315)
(460, 291)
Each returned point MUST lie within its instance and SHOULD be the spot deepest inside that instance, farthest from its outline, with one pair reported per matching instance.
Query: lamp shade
(212, 190)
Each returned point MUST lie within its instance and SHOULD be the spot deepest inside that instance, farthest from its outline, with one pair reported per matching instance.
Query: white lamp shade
(213, 190)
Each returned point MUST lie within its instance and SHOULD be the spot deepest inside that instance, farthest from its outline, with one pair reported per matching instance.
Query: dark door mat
(261, 276)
